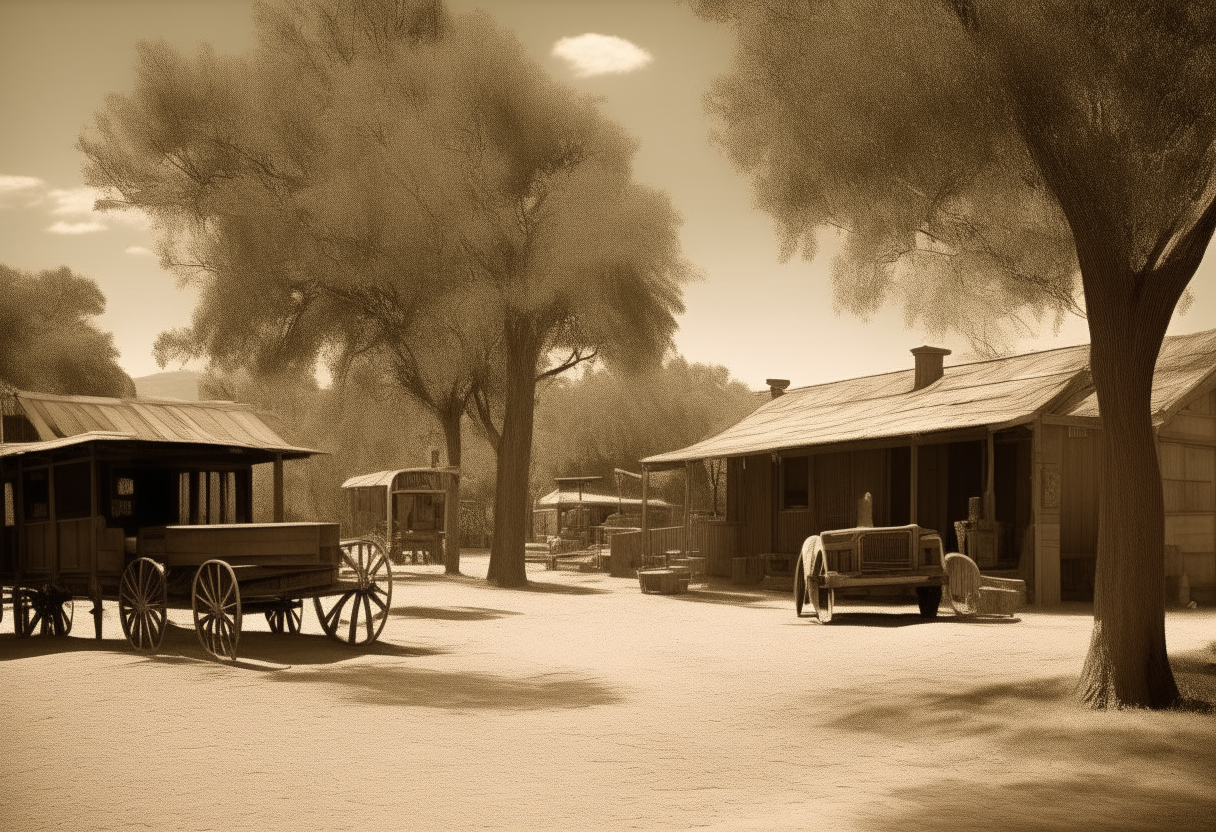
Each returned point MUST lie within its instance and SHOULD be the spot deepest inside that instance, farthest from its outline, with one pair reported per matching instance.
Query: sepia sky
(650, 66)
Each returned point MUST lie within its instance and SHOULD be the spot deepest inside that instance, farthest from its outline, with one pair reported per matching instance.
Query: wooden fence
(627, 549)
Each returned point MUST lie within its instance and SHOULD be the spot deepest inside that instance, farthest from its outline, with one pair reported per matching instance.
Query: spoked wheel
(822, 597)
(216, 598)
(928, 598)
(799, 587)
(286, 617)
(358, 614)
(42, 612)
(141, 604)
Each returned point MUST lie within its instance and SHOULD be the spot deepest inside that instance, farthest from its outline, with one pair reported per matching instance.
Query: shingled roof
(997, 393)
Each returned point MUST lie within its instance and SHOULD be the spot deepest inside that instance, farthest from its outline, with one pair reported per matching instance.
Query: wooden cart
(158, 515)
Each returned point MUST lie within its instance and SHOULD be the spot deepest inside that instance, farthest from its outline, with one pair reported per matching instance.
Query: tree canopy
(387, 182)
(51, 343)
(979, 156)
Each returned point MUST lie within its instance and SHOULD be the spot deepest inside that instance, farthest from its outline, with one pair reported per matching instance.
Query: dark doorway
(966, 480)
(1081, 474)
(901, 486)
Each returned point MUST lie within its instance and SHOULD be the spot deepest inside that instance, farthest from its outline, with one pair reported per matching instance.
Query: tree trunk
(451, 503)
(1127, 663)
(514, 464)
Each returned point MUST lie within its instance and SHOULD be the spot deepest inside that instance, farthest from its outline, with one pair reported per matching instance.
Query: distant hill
(179, 384)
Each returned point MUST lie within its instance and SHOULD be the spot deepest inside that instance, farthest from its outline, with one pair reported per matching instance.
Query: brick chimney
(928, 365)
(777, 386)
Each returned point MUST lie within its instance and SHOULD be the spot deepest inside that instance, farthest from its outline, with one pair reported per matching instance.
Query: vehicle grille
(885, 550)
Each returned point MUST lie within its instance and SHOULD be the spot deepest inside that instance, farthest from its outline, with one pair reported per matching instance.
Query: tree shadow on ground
(1110, 801)
(412, 687)
(181, 645)
(452, 613)
(545, 587)
(1127, 770)
(713, 596)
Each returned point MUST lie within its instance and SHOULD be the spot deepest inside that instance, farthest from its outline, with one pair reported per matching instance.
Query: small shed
(573, 512)
(405, 505)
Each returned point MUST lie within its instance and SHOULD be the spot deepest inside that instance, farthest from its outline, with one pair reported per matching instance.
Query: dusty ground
(582, 703)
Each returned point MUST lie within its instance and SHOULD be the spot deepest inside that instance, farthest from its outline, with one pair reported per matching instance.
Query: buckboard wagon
(867, 556)
(157, 515)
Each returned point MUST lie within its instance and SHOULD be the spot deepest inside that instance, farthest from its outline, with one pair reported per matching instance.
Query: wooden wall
(1081, 474)
(1187, 453)
(1048, 452)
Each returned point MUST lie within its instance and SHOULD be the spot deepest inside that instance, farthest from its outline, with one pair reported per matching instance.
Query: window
(10, 507)
(122, 503)
(37, 496)
(795, 482)
(73, 491)
(1188, 477)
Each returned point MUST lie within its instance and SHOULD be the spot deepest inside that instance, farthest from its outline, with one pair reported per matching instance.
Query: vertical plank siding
(1187, 455)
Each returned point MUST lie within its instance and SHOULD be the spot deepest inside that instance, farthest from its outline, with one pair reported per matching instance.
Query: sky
(649, 62)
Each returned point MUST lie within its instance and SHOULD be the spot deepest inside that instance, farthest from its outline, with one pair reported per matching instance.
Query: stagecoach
(149, 504)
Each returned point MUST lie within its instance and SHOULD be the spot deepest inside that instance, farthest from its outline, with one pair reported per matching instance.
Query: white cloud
(73, 201)
(11, 184)
(139, 250)
(135, 219)
(76, 227)
(593, 54)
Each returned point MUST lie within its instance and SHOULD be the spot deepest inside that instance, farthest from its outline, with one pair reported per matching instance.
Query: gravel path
(583, 704)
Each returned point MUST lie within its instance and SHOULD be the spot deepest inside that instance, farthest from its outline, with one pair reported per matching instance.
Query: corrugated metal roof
(385, 478)
(571, 498)
(19, 448)
(155, 420)
(1185, 363)
(1001, 391)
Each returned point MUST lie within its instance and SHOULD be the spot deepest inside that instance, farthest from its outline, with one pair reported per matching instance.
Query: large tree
(48, 340)
(976, 156)
(385, 182)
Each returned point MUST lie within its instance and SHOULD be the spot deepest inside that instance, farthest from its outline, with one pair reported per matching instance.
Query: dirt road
(583, 704)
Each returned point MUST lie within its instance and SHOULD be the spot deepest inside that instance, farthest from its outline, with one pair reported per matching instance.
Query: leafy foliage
(50, 343)
(978, 154)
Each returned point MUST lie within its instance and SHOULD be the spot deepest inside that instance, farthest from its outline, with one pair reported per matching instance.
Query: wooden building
(406, 506)
(1022, 433)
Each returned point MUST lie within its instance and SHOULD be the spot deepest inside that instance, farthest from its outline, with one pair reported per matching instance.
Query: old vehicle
(406, 508)
(149, 503)
(908, 556)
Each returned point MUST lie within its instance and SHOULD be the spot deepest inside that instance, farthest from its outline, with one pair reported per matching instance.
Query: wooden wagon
(406, 507)
(149, 505)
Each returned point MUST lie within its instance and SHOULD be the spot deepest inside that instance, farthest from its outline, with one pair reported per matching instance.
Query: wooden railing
(627, 549)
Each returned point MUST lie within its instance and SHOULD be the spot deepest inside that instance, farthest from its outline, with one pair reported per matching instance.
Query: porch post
(54, 526)
(278, 488)
(94, 584)
(645, 517)
(912, 506)
(687, 505)
(990, 487)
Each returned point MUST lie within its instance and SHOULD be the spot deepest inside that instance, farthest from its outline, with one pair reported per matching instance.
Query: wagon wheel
(928, 598)
(141, 604)
(216, 599)
(359, 613)
(823, 598)
(286, 617)
(799, 587)
(42, 612)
